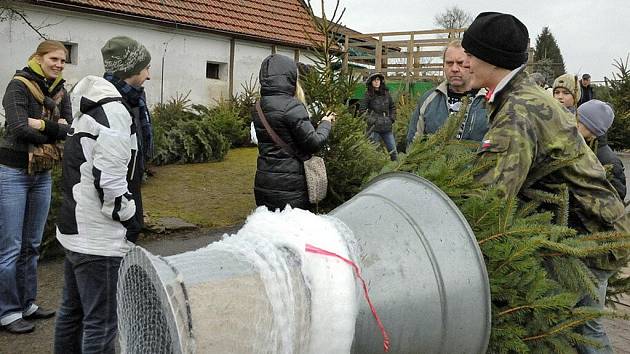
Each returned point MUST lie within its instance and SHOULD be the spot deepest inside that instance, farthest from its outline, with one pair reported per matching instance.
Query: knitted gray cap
(125, 57)
(596, 115)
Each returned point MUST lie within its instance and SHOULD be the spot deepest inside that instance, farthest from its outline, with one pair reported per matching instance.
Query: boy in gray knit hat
(594, 119)
(127, 64)
(101, 214)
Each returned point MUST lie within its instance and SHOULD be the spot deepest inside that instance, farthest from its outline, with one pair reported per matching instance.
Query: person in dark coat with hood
(280, 178)
(380, 112)
(594, 119)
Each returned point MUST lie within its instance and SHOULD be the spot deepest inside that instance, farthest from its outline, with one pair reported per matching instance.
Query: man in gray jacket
(436, 105)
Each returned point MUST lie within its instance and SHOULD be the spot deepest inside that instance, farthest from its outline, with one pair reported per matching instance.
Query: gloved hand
(133, 227)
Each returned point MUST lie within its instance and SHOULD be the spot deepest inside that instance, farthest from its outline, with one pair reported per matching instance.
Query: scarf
(36, 68)
(136, 97)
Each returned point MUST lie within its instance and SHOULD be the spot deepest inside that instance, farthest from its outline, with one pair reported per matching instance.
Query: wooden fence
(401, 56)
(407, 56)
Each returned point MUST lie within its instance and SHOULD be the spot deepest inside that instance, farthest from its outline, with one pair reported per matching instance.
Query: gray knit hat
(125, 57)
(596, 115)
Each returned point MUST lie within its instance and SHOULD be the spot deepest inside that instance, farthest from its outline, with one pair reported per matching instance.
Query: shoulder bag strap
(271, 132)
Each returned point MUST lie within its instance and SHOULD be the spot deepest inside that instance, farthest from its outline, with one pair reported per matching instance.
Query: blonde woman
(280, 178)
(37, 110)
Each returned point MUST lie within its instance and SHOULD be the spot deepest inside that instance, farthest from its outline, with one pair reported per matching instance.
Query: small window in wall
(212, 70)
(72, 49)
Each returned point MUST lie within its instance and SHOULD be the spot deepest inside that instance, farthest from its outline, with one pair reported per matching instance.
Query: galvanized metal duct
(425, 272)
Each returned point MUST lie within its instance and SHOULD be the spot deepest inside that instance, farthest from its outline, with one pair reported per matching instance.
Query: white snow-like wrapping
(264, 241)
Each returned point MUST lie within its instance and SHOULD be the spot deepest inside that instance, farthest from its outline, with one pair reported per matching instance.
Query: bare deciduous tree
(453, 18)
(9, 12)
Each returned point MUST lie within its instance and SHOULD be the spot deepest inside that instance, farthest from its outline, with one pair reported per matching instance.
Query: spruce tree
(547, 48)
(545, 67)
(619, 90)
(350, 156)
(619, 139)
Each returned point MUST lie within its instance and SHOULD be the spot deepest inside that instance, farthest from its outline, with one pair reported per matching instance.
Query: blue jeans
(595, 329)
(390, 143)
(24, 204)
(87, 321)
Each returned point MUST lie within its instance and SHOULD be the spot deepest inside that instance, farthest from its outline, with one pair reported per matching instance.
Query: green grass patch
(215, 194)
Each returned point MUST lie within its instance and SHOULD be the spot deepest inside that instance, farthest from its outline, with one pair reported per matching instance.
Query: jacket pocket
(383, 123)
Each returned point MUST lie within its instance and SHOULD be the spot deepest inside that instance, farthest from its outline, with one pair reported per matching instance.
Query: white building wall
(288, 52)
(249, 56)
(184, 53)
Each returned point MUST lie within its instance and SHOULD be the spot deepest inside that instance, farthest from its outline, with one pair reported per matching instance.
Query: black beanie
(498, 39)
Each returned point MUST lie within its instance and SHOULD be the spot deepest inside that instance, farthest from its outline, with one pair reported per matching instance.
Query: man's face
(138, 79)
(586, 82)
(480, 71)
(456, 74)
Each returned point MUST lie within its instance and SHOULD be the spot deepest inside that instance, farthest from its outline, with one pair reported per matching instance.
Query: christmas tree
(350, 157)
(535, 262)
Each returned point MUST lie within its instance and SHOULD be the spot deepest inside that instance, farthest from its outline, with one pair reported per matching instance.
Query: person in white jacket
(98, 212)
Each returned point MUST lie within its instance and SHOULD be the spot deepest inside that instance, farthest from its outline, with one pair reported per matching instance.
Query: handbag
(42, 157)
(314, 168)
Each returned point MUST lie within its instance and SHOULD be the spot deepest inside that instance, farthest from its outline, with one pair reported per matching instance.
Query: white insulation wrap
(257, 291)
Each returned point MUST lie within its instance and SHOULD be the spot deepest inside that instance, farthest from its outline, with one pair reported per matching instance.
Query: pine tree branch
(533, 307)
(605, 236)
(536, 229)
(560, 329)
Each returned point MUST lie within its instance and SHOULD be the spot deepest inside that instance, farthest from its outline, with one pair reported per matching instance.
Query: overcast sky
(590, 34)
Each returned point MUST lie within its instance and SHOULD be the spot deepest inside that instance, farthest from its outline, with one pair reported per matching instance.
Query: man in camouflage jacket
(528, 134)
(533, 144)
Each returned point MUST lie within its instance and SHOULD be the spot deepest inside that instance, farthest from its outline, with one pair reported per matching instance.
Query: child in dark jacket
(594, 119)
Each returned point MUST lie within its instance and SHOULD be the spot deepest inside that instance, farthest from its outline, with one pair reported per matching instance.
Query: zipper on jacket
(133, 166)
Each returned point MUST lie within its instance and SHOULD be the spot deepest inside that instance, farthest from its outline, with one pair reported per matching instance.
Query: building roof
(276, 21)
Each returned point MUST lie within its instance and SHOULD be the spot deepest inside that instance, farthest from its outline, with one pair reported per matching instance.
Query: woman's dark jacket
(19, 105)
(606, 156)
(379, 108)
(280, 175)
